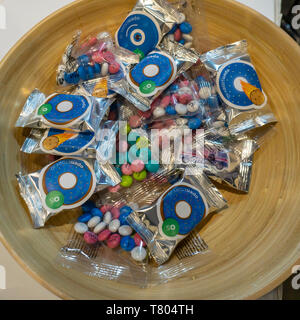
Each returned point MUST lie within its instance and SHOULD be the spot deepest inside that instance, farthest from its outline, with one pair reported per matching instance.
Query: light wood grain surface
(257, 238)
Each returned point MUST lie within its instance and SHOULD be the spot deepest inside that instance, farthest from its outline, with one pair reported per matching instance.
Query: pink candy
(92, 41)
(90, 237)
(135, 121)
(165, 101)
(184, 83)
(138, 240)
(115, 212)
(104, 235)
(185, 98)
(105, 208)
(126, 169)
(137, 165)
(109, 57)
(114, 189)
(114, 67)
(113, 241)
(177, 35)
(98, 57)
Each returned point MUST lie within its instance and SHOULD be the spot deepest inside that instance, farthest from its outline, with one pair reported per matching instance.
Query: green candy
(44, 109)
(147, 87)
(142, 142)
(54, 199)
(126, 181)
(140, 176)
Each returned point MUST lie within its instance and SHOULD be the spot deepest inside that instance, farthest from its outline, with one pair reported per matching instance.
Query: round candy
(85, 217)
(142, 142)
(139, 241)
(97, 213)
(72, 78)
(107, 217)
(165, 101)
(177, 35)
(193, 106)
(137, 165)
(114, 67)
(140, 176)
(88, 206)
(113, 241)
(185, 98)
(93, 222)
(125, 210)
(152, 166)
(187, 37)
(205, 92)
(123, 218)
(100, 227)
(185, 27)
(126, 181)
(115, 211)
(81, 227)
(115, 188)
(181, 109)
(135, 121)
(82, 73)
(105, 208)
(104, 235)
(126, 169)
(114, 225)
(194, 123)
(159, 112)
(170, 110)
(139, 254)
(90, 72)
(83, 59)
(125, 230)
(127, 243)
(109, 56)
(104, 69)
(90, 237)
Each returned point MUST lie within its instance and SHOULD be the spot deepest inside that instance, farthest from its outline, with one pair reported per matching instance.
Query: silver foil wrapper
(181, 60)
(64, 184)
(250, 116)
(65, 143)
(163, 227)
(83, 113)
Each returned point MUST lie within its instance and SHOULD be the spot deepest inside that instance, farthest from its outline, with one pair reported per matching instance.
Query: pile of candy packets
(140, 128)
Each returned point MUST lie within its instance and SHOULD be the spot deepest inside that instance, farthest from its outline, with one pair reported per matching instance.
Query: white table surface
(21, 16)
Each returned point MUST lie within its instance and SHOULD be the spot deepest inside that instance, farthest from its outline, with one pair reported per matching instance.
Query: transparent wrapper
(149, 78)
(145, 26)
(94, 58)
(63, 111)
(67, 143)
(245, 103)
(176, 213)
(101, 261)
(64, 184)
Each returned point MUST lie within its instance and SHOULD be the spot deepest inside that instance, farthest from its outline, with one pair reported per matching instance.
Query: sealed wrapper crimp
(63, 111)
(149, 78)
(64, 184)
(245, 103)
(95, 57)
(176, 213)
(68, 143)
(146, 25)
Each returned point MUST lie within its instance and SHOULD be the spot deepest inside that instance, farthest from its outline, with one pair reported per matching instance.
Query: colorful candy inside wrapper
(105, 246)
(68, 143)
(64, 184)
(245, 103)
(94, 57)
(146, 25)
(63, 111)
(149, 78)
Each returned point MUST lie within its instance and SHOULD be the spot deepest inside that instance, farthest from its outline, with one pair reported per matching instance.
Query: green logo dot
(44, 109)
(147, 87)
(170, 227)
(54, 199)
(140, 53)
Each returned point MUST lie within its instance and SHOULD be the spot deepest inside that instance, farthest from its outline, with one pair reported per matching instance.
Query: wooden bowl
(257, 237)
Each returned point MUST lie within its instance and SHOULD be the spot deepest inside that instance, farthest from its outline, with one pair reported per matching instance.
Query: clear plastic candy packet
(105, 246)
(149, 78)
(63, 184)
(93, 57)
(63, 111)
(145, 26)
(176, 213)
(68, 143)
(245, 103)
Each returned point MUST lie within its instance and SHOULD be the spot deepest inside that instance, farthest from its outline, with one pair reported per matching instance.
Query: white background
(21, 16)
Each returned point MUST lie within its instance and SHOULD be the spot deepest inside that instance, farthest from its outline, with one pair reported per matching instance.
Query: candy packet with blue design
(243, 99)
(62, 185)
(176, 213)
(68, 143)
(93, 58)
(63, 111)
(157, 71)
